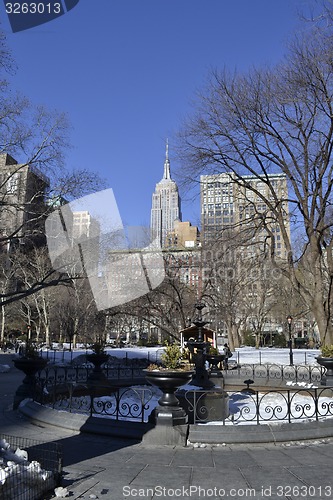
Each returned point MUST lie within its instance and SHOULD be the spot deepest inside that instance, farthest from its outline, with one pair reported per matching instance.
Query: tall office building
(85, 226)
(74, 241)
(165, 205)
(238, 207)
(22, 195)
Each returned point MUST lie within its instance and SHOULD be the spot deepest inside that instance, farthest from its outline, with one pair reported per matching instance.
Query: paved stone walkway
(108, 468)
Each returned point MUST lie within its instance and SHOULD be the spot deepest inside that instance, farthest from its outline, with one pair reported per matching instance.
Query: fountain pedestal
(326, 379)
(29, 366)
(168, 412)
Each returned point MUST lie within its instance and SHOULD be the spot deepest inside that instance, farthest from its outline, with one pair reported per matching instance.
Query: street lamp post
(291, 356)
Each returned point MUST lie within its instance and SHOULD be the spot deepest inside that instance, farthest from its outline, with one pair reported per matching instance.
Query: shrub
(249, 339)
(172, 356)
(213, 351)
(327, 351)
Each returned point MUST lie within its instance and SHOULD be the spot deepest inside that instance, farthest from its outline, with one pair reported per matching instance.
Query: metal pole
(291, 356)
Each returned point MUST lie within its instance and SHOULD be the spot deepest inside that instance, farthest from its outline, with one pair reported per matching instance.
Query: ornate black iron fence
(133, 372)
(296, 373)
(273, 406)
(128, 357)
(53, 375)
(69, 388)
(224, 407)
(100, 400)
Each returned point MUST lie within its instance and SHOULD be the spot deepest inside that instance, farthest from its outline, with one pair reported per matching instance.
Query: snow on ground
(21, 476)
(275, 355)
(241, 355)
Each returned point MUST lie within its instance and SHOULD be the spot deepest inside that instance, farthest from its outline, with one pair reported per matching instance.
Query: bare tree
(7, 277)
(272, 120)
(39, 139)
(30, 269)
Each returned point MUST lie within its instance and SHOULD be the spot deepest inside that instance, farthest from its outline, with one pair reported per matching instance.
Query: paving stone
(218, 478)
(200, 457)
(171, 477)
(268, 457)
(274, 477)
(308, 456)
(158, 457)
(226, 458)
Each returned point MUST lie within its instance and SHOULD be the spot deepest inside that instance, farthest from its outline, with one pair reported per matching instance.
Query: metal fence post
(289, 406)
(316, 404)
(257, 407)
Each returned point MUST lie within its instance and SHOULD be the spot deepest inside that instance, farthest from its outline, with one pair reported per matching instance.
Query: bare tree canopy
(279, 120)
(33, 178)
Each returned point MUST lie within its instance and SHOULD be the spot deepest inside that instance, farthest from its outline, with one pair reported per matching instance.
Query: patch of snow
(61, 492)
(14, 464)
(242, 355)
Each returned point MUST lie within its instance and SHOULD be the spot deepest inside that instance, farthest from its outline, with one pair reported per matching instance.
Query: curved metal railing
(127, 403)
(295, 373)
(68, 388)
(273, 406)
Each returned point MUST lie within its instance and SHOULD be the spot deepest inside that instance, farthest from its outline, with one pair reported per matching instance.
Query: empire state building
(165, 205)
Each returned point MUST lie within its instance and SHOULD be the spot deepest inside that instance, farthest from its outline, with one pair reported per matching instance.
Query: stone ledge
(263, 433)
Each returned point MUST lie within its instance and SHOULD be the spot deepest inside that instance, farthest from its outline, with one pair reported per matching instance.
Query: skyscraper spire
(166, 174)
(165, 204)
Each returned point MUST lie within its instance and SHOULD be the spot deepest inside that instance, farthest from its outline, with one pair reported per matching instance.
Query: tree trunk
(47, 334)
(324, 322)
(235, 335)
(232, 335)
(3, 323)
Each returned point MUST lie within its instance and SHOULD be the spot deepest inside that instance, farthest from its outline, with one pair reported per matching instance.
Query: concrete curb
(262, 433)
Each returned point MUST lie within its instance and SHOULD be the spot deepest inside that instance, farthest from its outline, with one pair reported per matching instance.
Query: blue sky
(126, 71)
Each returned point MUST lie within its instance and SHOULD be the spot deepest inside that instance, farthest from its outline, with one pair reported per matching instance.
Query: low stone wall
(212, 434)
